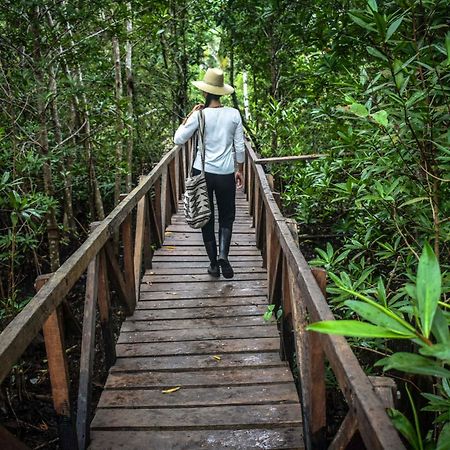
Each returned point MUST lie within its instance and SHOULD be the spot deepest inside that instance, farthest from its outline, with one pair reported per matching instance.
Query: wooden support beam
(118, 280)
(104, 306)
(59, 374)
(155, 230)
(87, 353)
(128, 257)
(163, 202)
(139, 239)
(284, 159)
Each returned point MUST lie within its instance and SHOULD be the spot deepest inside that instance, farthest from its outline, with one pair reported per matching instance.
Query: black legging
(224, 186)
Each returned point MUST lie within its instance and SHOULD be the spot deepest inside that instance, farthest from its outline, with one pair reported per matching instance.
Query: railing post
(317, 371)
(59, 374)
(163, 201)
(128, 257)
(139, 240)
(87, 352)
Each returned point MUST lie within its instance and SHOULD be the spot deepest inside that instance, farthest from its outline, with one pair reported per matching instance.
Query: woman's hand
(239, 177)
(195, 108)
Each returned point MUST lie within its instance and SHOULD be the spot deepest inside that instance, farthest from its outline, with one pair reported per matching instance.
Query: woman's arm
(240, 152)
(188, 127)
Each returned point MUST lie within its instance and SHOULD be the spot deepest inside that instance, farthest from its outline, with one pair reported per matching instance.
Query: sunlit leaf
(428, 288)
(381, 117)
(412, 201)
(171, 390)
(359, 110)
(353, 328)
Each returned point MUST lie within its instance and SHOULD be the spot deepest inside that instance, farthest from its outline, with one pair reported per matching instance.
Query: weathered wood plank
(235, 417)
(223, 293)
(197, 362)
(220, 285)
(211, 396)
(200, 334)
(181, 260)
(217, 377)
(178, 268)
(195, 278)
(201, 313)
(201, 303)
(279, 438)
(179, 324)
(266, 344)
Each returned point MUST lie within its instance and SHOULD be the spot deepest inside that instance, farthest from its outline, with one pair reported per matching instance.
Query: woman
(223, 136)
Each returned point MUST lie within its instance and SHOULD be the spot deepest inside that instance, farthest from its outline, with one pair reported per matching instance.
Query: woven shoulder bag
(197, 209)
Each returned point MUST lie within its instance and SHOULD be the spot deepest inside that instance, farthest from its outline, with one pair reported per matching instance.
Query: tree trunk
(119, 121)
(52, 224)
(130, 121)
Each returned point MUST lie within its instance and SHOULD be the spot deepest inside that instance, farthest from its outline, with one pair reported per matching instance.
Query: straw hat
(213, 83)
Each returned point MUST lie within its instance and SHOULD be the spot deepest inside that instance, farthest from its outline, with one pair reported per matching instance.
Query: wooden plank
(201, 303)
(197, 362)
(179, 324)
(279, 438)
(203, 287)
(284, 159)
(199, 334)
(87, 355)
(211, 396)
(201, 277)
(201, 313)
(155, 225)
(186, 379)
(345, 433)
(235, 417)
(266, 344)
(180, 259)
(223, 294)
(200, 268)
(23, 328)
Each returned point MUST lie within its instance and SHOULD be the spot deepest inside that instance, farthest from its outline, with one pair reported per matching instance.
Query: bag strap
(200, 140)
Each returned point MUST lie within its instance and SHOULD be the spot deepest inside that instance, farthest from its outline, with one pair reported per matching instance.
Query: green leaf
(380, 117)
(379, 317)
(404, 427)
(447, 46)
(393, 28)
(410, 362)
(444, 438)
(439, 351)
(374, 52)
(428, 288)
(359, 109)
(440, 328)
(362, 23)
(373, 5)
(412, 201)
(353, 328)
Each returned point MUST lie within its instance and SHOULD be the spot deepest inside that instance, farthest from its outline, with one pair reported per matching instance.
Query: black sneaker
(227, 270)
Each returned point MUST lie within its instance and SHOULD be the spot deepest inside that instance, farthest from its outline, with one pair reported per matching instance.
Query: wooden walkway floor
(208, 338)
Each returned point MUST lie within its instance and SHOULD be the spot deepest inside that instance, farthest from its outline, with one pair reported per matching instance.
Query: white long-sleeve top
(223, 129)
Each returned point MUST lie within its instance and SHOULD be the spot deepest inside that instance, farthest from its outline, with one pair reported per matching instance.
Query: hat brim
(226, 89)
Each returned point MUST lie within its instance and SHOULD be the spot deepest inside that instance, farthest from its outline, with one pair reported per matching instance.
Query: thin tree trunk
(119, 121)
(130, 121)
(52, 224)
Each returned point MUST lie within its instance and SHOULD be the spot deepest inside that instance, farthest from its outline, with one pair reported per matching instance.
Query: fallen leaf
(170, 247)
(217, 357)
(169, 391)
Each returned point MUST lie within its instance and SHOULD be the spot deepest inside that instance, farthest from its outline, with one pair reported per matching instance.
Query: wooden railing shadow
(300, 292)
(140, 220)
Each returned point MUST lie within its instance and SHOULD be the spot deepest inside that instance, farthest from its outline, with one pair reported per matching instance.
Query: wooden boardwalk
(208, 338)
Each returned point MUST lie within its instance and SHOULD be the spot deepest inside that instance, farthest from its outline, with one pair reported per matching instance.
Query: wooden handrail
(95, 255)
(373, 423)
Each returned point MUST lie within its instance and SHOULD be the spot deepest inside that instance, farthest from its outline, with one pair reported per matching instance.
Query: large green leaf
(379, 317)
(444, 438)
(393, 28)
(404, 427)
(428, 288)
(375, 52)
(354, 328)
(361, 22)
(412, 363)
(381, 117)
(440, 328)
(439, 351)
(359, 110)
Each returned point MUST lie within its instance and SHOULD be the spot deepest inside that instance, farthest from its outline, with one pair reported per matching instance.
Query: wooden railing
(300, 292)
(150, 207)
